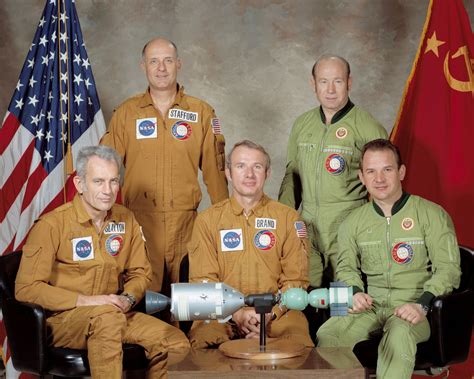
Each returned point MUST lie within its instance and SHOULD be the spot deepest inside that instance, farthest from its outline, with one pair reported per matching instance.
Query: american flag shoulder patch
(216, 126)
(301, 231)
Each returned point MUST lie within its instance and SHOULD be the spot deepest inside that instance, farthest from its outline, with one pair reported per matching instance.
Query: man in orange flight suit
(164, 136)
(255, 245)
(86, 263)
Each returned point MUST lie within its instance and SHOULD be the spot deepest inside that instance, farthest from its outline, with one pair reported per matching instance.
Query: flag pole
(58, 52)
(68, 157)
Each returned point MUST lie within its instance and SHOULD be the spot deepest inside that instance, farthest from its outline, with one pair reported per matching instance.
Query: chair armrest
(451, 326)
(25, 324)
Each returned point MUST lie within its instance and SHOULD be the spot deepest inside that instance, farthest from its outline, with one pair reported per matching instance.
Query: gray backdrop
(250, 59)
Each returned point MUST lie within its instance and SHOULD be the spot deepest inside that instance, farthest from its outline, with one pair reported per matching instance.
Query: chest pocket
(410, 252)
(338, 159)
(307, 154)
(371, 257)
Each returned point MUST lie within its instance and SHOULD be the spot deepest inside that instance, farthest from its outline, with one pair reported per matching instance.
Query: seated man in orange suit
(86, 264)
(255, 245)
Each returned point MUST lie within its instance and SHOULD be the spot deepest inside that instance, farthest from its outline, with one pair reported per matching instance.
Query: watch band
(425, 308)
(131, 299)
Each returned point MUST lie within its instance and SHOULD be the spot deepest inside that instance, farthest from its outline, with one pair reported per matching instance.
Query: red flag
(54, 111)
(435, 125)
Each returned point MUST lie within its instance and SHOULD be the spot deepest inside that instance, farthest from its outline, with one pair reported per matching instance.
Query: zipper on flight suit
(387, 236)
(247, 246)
(319, 166)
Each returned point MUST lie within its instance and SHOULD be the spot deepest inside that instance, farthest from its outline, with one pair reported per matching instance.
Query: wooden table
(318, 362)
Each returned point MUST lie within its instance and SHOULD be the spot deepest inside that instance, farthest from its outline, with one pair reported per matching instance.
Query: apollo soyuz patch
(335, 164)
(82, 249)
(402, 253)
(115, 228)
(181, 130)
(341, 133)
(146, 128)
(179, 114)
(114, 244)
(264, 240)
(265, 223)
(216, 126)
(408, 223)
(300, 228)
(231, 240)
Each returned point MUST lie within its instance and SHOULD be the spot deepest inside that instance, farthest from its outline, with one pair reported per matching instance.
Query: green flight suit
(410, 257)
(322, 175)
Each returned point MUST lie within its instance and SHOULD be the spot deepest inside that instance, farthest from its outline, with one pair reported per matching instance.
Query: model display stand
(250, 349)
(262, 348)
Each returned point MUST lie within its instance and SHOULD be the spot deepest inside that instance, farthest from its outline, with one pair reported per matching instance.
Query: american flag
(216, 126)
(301, 231)
(54, 111)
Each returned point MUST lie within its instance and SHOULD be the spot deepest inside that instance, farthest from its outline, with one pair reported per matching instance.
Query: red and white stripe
(25, 188)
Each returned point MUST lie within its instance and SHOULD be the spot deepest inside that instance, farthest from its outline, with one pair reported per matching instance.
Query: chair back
(467, 268)
(9, 264)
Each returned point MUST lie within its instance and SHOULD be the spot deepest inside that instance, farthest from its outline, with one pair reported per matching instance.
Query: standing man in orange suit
(165, 136)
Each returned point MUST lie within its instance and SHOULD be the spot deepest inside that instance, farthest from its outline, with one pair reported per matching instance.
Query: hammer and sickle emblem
(459, 85)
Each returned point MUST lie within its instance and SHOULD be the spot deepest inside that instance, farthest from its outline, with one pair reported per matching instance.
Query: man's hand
(121, 302)
(248, 321)
(361, 302)
(411, 312)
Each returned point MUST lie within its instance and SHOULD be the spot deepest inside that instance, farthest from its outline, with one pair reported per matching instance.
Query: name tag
(232, 240)
(265, 223)
(115, 228)
(82, 249)
(179, 114)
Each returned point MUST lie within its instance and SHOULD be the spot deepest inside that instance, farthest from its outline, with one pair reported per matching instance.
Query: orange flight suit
(263, 252)
(65, 257)
(161, 156)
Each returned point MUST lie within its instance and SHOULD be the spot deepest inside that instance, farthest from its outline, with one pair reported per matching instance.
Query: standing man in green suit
(324, 151)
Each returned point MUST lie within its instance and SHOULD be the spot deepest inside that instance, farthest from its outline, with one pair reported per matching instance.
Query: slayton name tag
(115, 228)
(82, 249)
(232, 240)
(265, 223)
(179, 114)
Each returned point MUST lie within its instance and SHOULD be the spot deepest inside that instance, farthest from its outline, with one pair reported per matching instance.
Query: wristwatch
(425, 308)
(131, 299)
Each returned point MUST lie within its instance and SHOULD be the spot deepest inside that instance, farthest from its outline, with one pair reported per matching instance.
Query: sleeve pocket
(220, 151)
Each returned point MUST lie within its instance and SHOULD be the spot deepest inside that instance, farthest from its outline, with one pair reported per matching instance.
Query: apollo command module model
(218, 301)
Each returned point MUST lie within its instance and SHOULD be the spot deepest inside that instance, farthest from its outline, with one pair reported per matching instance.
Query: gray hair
(325, 57)
(101, 151)
(251, 145)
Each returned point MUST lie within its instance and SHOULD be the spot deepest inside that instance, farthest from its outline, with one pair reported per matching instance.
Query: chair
(451, 326)
(25, 324)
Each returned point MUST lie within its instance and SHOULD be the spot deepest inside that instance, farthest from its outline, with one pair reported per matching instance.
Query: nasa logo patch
(114, 244)
(146, 128)
(335, 164)
(82, 249)
(264, 240)
(402, 253)
(181, 130)
(231, 240)
(407, 223)
(341, 133)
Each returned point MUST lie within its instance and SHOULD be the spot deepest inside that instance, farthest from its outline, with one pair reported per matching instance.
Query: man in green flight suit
(406, 247)
(323, 158)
